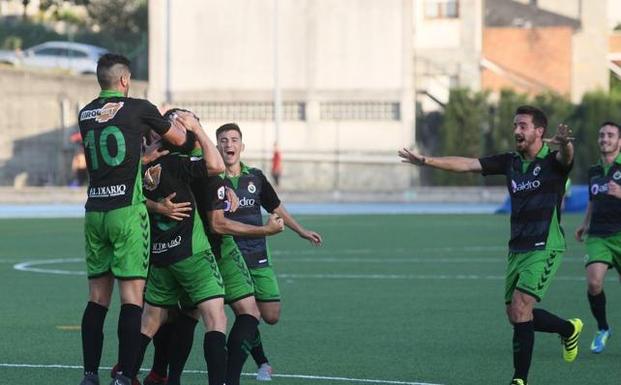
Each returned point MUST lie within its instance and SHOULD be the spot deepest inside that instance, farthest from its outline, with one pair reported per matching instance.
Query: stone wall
(38, 113)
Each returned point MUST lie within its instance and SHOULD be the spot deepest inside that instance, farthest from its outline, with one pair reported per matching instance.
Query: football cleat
(599, 341)
(570, 344)
(264, 373)
(90, 379)
(120, 379)
(115, 370)
(154, 379)
(518, 381)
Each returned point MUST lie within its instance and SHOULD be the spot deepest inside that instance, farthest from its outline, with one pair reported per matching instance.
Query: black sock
(598, 308)
(257, 351)
(241, 339)
(92, 336)
(129, 338)
(547, 322)
(523, 340)
(144, 343)
(215, 356)
(161, 341)
(182, 339)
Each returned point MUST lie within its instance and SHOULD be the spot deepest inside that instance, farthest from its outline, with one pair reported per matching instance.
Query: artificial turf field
(401, 299)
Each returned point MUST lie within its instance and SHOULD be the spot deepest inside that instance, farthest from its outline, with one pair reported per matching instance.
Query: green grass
(395, 298)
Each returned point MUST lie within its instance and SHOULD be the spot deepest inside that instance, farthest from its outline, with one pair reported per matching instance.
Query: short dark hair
(538, 116)
(107, 74)
(190, 137)
(228, 127)
(174, 110)
(611, 123)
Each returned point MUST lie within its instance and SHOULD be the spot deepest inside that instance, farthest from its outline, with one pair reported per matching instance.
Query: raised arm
(290, 222)
(447, 163)
(563, 139)
(213, 160)
(222, 225)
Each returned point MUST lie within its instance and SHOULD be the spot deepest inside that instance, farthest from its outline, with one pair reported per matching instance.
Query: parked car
(76, 57)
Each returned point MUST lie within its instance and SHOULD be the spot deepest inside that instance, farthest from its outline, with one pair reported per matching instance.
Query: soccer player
(183, 267)
(116, 225)
(535, 178)
(239, 291)
(254, 192)
(602, 223)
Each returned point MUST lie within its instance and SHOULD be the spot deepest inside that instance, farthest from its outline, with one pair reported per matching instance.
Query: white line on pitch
(300, 376)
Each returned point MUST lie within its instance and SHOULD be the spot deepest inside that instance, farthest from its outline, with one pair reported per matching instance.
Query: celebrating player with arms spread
(535, 178)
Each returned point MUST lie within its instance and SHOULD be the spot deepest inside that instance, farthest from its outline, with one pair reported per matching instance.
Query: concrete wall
(349, 52)
(38, 113)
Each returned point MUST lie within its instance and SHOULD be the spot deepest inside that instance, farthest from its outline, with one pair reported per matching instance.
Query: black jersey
(171, 240)
(112, 127)
(254, 191)
(606, 209)
(536, 193)
(210, 194)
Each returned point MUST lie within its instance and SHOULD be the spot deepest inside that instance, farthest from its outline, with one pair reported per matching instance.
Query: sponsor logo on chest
(529, 185)
(107, 191)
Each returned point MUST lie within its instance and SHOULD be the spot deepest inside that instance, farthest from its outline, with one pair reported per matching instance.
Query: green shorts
(189, 282)
(604, 250)
(118, 241)
(237, 280)
(265, 284)
(531, 272)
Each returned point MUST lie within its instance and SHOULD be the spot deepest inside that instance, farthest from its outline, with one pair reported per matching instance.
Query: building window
(248, 111)
(441, 9)
(360, 111)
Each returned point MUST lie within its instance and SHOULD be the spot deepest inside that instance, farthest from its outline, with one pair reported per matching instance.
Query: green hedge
(473, 125)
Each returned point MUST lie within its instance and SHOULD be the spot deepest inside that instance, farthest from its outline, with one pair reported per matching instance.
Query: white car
(75, 57)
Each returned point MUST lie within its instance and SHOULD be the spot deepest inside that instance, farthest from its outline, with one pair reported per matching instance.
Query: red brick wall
(542, 57)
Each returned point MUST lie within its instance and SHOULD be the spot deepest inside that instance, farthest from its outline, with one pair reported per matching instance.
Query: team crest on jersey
(616, 175)
(152, 177)
(252, 188)
(221, 193)
(536, 170)
(103, 114)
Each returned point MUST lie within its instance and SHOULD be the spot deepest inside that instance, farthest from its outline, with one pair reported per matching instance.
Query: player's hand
(274, 224)
(614, 190)
(313, 237)
(152, 152)
(188, 121)
(562, 136)
(580, 232)
(233, 200)
(409, 156)
(174, 211)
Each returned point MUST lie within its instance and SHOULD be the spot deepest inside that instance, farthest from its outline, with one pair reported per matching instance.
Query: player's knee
(271, 317)
(595, 286)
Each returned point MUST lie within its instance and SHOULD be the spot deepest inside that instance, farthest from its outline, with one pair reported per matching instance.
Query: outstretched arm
(447, 163)
(290, 222)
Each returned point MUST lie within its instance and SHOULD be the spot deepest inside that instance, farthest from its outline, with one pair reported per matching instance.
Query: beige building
(344, 71)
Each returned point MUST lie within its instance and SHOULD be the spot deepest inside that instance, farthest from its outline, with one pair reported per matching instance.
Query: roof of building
(509, 13)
